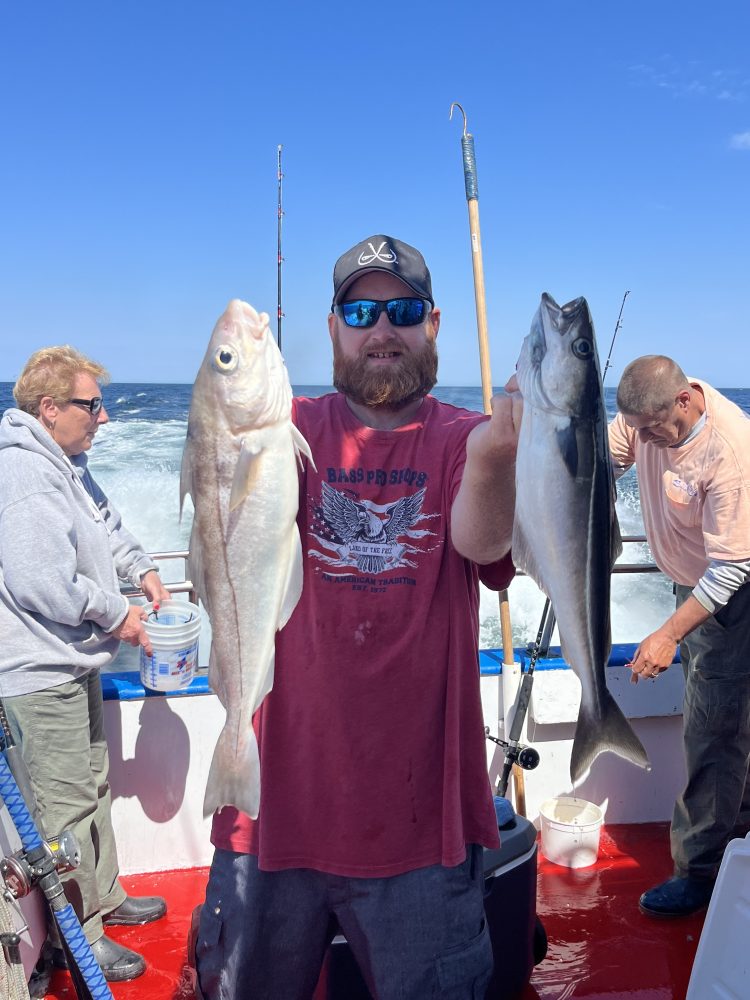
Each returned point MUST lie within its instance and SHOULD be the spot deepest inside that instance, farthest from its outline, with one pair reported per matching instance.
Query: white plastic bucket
(570, 831)
(173, 632)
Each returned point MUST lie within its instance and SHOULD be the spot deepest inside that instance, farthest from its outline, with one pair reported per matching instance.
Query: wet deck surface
(600, 946)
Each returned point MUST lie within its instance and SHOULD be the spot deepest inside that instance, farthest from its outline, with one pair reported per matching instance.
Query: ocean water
(136, 459)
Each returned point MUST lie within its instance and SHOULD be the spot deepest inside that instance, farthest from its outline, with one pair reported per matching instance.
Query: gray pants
(263, 935)
(61, 735)
(715, 805)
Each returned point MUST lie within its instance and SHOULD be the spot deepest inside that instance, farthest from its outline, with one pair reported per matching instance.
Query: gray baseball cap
(382, 253)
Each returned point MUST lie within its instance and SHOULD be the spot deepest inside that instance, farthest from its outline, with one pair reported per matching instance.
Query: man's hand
(656, 652)
(482, 513)
(131, 629)
(496, 440)
(654, 655)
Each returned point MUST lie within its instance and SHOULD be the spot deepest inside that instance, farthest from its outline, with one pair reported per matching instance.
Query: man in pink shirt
(691, 448)
(375, 798)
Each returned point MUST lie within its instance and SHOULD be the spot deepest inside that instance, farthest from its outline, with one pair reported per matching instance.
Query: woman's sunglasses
(363, 313)
(93, 405)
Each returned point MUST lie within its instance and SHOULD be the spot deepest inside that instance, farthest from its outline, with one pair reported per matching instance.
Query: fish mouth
(561, 318)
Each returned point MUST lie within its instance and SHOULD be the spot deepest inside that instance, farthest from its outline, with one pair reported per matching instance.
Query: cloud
(691, 80)
(740, 140)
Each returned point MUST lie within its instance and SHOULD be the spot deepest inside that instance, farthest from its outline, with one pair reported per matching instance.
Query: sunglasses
(363, 313)
(93, 405)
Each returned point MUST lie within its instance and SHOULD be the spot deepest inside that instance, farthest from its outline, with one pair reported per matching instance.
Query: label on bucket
(168, 669)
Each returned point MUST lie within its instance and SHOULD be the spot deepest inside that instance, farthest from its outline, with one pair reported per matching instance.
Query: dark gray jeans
(715, 805)
(416, 936)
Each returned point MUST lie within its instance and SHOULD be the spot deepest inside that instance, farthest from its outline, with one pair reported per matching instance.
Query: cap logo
(384, 254)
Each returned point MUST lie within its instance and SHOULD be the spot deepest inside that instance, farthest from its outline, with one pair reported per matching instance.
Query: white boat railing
(186, 586)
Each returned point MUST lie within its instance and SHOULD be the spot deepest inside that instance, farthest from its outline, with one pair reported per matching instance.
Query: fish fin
(195, 567)
(523, 558)
(215, 681)
(577, 448)
(616, 539)
(244, 473)
(267, 682)
(186, 478)
(301, 447)
(567, 444)
(234, 775)
(293, 586)
(611, 731)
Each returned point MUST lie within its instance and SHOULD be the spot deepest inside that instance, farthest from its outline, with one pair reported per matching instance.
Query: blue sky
(138, 175)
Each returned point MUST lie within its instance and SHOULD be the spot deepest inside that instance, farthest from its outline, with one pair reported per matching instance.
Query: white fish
(239, 467)
(565, 534)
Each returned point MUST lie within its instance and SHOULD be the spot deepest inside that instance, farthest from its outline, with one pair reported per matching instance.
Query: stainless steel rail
(185, 586)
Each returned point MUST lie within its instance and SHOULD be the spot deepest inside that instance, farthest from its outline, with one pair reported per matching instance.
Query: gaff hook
(450, 116)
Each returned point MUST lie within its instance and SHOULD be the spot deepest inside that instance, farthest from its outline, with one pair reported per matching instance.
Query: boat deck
(600, 945)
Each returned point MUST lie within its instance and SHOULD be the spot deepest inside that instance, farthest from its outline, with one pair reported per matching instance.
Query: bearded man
(375, 800)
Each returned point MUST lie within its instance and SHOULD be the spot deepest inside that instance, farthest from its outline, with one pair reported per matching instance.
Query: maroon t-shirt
(372, 742)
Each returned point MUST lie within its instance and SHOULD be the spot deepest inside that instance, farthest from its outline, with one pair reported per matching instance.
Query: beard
(388, 388)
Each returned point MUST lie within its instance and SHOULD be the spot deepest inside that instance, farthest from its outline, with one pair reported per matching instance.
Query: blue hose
(40, 859)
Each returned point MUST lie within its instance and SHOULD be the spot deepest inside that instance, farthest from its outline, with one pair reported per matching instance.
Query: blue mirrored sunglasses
(363, 313)
(93, 405)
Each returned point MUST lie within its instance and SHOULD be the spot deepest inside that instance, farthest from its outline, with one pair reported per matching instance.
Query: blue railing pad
(127, 686)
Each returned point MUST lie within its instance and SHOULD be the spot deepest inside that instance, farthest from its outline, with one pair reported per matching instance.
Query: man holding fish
(691, 447)
(371, 801)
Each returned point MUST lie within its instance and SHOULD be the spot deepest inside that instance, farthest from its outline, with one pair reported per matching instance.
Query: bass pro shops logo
(384, 254)
(372, 537)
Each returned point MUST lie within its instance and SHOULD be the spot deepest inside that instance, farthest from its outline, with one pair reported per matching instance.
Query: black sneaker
(677, 897)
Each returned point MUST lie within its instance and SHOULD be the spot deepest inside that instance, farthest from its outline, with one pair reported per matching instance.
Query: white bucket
(173, 631)
(570, 831)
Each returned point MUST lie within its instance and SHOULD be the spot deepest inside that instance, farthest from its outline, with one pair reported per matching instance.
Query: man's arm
(657, 650)
(482, 513)
(715, 588)
(621, 439)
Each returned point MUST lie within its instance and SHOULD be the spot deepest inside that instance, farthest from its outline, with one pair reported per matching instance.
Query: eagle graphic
(368, 539)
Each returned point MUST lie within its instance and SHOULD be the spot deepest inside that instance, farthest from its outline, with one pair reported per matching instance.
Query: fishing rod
(279, 258)
(524, 756)
(472, 199)
(618, 324)
(40, 862)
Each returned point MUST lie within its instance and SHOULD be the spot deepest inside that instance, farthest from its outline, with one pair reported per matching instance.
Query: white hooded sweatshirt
(62, 549)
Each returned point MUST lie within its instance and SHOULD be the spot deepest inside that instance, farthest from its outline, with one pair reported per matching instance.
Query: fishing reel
(525, 756)
(20, 877)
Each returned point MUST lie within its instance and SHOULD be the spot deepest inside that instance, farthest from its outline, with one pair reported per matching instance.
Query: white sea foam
(137, 463)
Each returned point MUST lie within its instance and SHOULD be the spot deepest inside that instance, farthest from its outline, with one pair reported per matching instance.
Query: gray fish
(565, 534)
(240, 468)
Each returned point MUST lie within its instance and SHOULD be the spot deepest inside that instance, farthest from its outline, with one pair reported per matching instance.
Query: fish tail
(234, 775)
(598, 732)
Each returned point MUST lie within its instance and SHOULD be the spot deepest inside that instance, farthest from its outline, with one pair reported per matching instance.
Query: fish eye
(581, 348)
(225, 359)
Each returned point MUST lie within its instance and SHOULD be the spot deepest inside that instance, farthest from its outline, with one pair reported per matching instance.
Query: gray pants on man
(715, 805)
(61, 735)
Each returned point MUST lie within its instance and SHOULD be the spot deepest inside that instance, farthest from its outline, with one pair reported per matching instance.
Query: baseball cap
(382, 253)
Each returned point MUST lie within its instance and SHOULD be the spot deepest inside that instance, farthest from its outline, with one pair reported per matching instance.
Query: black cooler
(518, 938)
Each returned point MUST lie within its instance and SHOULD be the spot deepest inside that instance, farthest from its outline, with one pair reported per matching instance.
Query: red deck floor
(600, 946)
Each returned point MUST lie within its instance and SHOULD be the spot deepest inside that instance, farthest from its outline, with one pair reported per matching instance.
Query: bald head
(650, 384)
